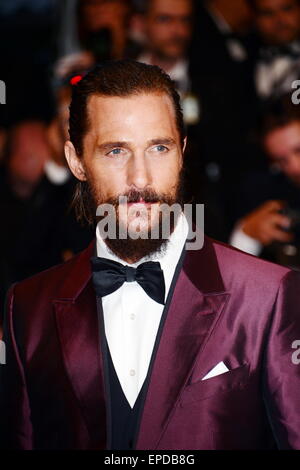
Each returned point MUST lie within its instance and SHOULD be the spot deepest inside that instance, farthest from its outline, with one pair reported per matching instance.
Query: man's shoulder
(48, 283)
(234, 263)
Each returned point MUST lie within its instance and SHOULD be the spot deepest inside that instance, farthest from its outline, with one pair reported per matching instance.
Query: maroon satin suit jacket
(227, 306)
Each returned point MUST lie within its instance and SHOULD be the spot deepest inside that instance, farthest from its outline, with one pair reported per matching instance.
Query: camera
(294, 216)
(288, 254)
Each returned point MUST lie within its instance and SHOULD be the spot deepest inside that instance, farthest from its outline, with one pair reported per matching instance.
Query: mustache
(147, 195)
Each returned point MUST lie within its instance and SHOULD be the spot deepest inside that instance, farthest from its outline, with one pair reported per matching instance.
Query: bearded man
(142, 341)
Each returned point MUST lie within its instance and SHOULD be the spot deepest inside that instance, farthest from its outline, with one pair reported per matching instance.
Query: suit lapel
(78, 329)
(197, 303)
(194, 309)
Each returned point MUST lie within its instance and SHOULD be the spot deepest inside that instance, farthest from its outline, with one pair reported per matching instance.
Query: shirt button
(132, 316)
(132, 372)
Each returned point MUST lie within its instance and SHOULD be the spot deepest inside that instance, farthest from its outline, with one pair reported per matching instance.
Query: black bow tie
(109, 275)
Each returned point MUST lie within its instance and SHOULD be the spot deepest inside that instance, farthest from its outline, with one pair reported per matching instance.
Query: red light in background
(76, 79)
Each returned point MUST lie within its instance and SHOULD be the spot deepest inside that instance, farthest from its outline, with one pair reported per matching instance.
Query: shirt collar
(56, 174)
(177, 72)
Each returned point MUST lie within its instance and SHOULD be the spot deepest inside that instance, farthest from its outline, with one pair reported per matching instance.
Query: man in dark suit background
(221, 71)
(277, 23)
(154, 343)
(267, 202)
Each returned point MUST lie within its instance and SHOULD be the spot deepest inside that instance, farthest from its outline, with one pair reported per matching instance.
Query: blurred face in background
(97, 14)
(278, 21)
(29, 152)
(168, 27)
(283, 147)
(103, 27)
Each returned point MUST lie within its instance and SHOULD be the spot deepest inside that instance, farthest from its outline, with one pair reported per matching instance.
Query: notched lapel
(193, 315)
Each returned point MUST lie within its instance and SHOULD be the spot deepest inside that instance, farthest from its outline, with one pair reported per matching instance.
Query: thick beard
(130, 249)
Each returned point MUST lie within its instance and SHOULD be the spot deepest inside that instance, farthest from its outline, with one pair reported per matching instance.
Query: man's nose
(281, 18)
(138, 174)
(181, 29)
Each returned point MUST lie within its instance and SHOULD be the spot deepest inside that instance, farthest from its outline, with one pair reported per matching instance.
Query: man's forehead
(154, 104)
(169, 6)
(136, 118)
(140, 95)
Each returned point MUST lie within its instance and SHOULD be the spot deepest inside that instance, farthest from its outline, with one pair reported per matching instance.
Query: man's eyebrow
(111, 145)
(106, 146)
(162, 141)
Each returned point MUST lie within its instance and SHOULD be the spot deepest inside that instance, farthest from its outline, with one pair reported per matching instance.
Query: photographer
(269, 202)
(101, 33)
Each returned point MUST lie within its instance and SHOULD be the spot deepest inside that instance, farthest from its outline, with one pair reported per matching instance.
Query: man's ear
(75, 163)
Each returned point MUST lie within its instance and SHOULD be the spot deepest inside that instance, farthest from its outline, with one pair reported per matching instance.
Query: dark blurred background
(235, 65)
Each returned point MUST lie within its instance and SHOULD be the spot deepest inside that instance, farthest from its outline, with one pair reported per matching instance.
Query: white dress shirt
(274, 77)
(239, 239)
(178, 73)
(55, 173)
(132, 318)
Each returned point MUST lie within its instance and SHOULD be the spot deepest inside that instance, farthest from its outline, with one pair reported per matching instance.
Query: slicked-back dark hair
(121, 78)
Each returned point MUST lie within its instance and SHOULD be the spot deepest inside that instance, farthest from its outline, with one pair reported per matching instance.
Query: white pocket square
(217, 370)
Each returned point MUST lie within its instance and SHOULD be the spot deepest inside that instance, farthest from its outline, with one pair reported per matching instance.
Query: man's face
(283, 148)
(132, 148)
(278, 21)
(99, 14)
(168, 25)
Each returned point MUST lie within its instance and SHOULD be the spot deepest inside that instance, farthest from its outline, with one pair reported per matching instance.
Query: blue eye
(115, 152)
(161, 148)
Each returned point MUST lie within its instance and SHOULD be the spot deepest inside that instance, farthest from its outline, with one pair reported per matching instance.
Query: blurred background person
(268, 203)
(221, 69)
(36, 192)
(27, 52)
(101, 32)
(103, 27)
(21, 171)
(167, 28)
(278, 25)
